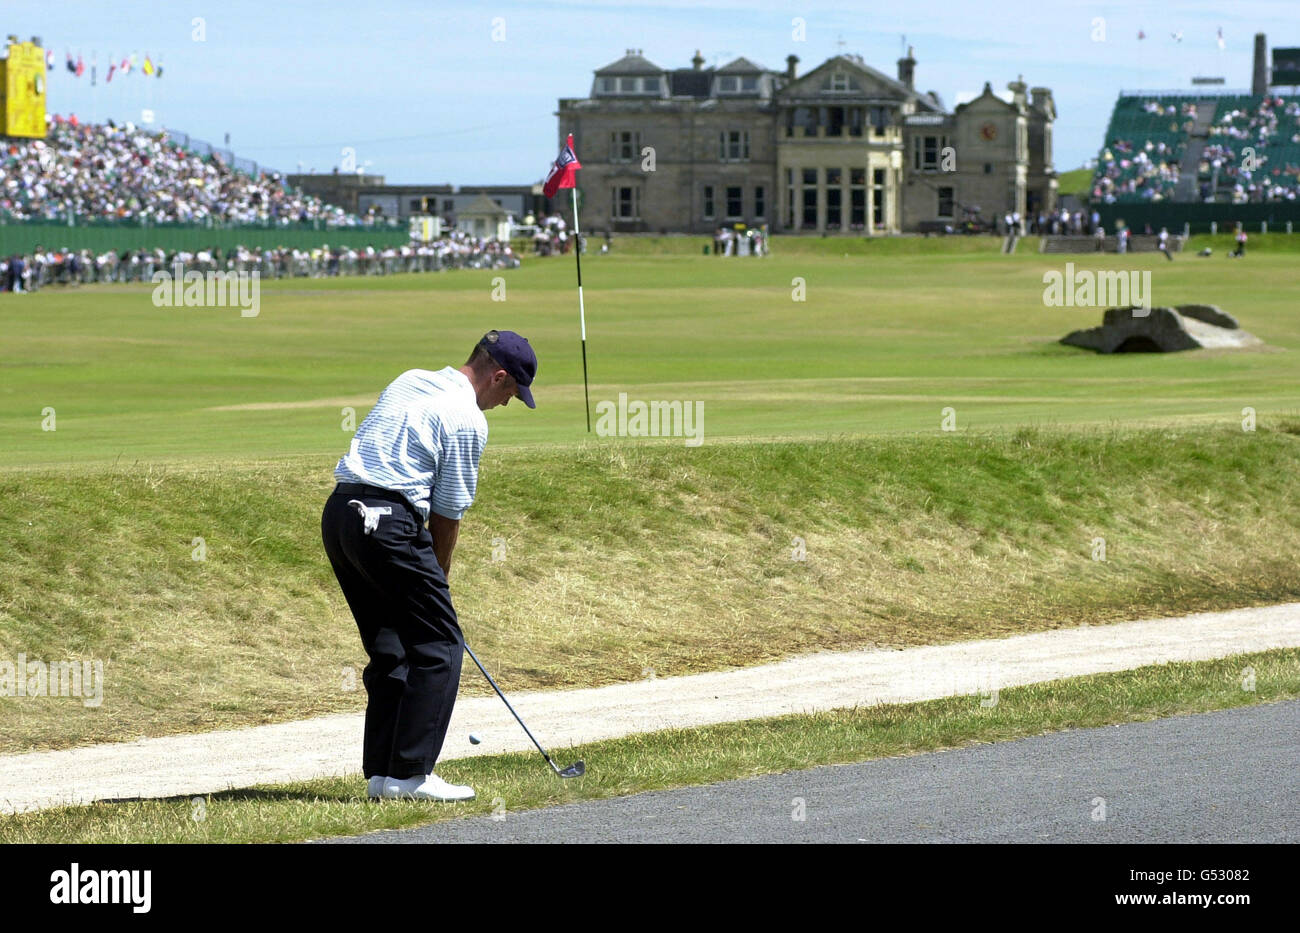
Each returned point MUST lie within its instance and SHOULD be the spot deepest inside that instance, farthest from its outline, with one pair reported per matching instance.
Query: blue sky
(422, 92)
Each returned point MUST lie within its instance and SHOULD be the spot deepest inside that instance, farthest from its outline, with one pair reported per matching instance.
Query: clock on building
(989, 132)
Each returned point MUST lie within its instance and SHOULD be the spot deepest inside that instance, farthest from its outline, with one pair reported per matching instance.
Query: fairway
(885, 339)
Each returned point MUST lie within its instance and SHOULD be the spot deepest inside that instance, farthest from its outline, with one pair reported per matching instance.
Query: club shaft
(483, 669)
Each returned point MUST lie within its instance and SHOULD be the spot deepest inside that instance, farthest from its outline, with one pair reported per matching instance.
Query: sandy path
(215, 761)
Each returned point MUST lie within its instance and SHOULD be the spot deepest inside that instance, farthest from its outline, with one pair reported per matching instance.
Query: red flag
(109, 76)
(564, 171)
(81, 68)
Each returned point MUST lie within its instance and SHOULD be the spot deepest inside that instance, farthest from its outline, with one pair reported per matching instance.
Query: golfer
(415, 459)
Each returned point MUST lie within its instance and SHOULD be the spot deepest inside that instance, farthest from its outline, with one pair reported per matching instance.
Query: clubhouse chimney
(698, 61)
(790, 62)
(1259, 76)
(907, 69)
(1017, 89)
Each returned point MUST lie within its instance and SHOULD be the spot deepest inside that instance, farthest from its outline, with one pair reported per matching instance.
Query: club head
(577, 769)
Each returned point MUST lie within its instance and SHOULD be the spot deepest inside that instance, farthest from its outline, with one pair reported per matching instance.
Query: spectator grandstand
(1191, 147)
(91, 175)
(85, 172)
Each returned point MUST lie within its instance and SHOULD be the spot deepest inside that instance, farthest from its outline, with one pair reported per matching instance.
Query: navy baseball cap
(513, 354)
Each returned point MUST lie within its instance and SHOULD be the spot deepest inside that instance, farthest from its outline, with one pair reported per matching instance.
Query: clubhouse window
(855, 121)
(879, 120)
(626, 202)
(835, 121)
(760, 202)
(624, 146)
(735, 203)
(945, 202)
(733, 146)
(708, 202)
(926, 151)
(857, 198)
(834, 199)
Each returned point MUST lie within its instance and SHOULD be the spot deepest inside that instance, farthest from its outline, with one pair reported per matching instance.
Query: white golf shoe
(375, 787)
(426, 788)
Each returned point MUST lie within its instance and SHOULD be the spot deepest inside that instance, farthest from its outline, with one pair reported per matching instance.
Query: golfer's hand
(444, 531)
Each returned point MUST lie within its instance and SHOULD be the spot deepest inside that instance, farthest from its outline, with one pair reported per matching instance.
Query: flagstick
(582, 313)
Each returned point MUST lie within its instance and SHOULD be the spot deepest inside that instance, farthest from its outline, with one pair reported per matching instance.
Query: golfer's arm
(444, 532)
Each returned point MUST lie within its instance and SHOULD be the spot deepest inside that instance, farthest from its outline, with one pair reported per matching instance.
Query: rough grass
(617, 559)
(675, 758)
(1077, 182)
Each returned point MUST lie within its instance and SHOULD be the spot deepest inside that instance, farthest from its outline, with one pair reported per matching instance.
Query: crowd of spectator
(45, 267)
(730, 242)
(1257, 125)
(1182, 115)
(551, 236)
(1142, 172)
(1065, 222)
(1274, 125)
(87, 172)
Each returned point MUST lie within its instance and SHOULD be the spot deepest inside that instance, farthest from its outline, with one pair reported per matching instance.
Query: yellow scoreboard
(22, 91)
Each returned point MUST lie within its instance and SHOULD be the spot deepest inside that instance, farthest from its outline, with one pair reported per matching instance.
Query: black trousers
(399, 597)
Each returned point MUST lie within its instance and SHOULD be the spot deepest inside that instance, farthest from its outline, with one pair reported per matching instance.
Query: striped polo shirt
(423, 439)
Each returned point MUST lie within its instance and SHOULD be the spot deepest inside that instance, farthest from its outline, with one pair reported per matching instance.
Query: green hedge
(1173, 215)
(24, 237)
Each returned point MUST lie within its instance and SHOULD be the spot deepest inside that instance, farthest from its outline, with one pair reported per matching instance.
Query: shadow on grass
(249, 794)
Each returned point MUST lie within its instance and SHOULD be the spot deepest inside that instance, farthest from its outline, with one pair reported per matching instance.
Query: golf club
(577, 769)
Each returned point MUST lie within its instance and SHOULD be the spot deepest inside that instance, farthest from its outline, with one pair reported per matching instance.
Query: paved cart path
(331, 745)
(1221, 777)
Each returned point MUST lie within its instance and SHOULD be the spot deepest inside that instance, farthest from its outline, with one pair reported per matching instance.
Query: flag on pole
(49, 59)
(72, 66)
(111, 68)
(563, 173)
(81, 67)
(125, 67)
(148, 66)
(1220, 40)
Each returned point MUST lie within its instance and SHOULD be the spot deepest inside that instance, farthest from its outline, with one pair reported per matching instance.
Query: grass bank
(586, 565)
